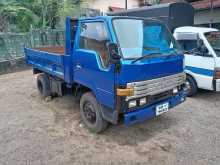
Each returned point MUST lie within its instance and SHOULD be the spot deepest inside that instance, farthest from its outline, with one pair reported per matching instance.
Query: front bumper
(149, 112)
(217, 85)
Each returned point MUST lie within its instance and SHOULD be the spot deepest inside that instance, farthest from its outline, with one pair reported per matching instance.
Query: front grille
(155, 86)
(160, 96)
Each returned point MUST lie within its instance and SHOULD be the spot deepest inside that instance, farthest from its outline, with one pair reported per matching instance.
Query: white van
(202, 57)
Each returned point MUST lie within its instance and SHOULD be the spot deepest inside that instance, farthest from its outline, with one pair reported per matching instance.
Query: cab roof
(112, 17)
(191, 29)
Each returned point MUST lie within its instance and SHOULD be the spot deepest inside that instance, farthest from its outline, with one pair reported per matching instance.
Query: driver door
(200, 66)
(92, 66)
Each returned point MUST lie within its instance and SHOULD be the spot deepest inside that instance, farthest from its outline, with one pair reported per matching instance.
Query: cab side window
(94, 36)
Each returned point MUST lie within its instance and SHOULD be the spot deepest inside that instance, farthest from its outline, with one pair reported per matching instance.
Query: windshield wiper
(152, 55)
(150, 48)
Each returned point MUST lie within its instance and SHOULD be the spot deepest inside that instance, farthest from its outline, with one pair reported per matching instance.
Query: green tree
(18, 14)
(38, 13)
(72, 8)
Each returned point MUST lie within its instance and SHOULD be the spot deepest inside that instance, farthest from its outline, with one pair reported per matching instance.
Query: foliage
(18, 14)
(24, 14)
(72, 8)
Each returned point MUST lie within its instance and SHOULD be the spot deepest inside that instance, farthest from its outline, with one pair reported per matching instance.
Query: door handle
(78, 66)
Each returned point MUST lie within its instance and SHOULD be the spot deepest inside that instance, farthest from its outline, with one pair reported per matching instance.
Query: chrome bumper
(155, 86)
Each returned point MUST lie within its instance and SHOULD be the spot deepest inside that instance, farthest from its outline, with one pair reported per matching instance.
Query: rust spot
(59, 50)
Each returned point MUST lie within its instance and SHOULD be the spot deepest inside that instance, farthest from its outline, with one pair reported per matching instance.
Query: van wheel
(91, 114)
(43, 85)
(191, 86)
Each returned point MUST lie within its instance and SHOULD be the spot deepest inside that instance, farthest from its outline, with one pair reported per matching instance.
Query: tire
(43, 85)
(191, 85)
(91, 114)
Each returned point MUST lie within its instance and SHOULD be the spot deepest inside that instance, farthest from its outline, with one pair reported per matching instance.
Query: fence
(12, 44)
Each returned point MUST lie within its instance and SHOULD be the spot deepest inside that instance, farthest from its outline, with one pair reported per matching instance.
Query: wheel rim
(89, 112)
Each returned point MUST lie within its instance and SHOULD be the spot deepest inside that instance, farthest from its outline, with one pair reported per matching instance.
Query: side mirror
(201, 48)
(113, 51)
(204, 50)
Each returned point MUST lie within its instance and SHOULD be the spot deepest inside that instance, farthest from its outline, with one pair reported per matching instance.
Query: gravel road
(36, 132)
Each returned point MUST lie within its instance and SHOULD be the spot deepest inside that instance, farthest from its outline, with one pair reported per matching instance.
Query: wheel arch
(193, 87)
(107, 113)
(194, 79)
(82, 89)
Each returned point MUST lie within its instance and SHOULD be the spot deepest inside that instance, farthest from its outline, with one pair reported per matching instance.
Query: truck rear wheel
(191, 86)
(91, 114)
(43, 85)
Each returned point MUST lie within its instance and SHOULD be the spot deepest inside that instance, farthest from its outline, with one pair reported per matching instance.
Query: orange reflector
(125, 92)
(217, 74)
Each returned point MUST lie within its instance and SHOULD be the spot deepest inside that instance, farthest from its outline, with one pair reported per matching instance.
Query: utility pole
(211, 13)
(126, 4)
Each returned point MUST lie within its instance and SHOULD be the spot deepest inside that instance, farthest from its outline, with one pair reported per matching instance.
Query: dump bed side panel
(50, 63)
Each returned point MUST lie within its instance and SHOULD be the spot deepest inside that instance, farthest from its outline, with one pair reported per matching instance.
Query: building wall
(205, 17)
(104, 4)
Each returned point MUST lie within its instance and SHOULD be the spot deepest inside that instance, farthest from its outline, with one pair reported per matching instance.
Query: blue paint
(103, 81)
(202, 71)
(92, 75)
(150, 69)
(150, 111)
(47, 62)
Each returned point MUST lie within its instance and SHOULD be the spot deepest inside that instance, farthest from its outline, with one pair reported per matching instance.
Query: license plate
(160, 109)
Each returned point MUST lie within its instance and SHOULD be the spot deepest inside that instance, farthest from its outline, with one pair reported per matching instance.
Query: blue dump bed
(47, 60)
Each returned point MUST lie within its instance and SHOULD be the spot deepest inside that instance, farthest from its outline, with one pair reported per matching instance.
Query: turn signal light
(125, 92)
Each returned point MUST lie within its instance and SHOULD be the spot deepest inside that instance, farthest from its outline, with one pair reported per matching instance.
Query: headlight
(132, 104)
(175, 90)
(143, 101)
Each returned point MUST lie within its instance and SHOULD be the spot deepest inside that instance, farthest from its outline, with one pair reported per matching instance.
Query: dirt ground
(36, 132)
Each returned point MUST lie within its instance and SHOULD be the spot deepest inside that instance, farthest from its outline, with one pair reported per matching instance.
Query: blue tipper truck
(121, 68)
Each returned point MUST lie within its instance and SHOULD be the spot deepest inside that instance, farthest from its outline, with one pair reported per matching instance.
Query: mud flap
(109, 114)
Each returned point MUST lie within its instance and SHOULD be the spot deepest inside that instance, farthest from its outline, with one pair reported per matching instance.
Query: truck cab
(202, 57)
(201, 45)
(122, 68)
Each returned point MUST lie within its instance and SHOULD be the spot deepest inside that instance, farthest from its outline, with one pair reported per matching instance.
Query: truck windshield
(138, 37)
(214, 40)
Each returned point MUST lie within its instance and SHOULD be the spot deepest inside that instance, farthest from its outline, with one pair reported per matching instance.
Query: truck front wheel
(191, 86)
(91, 114)
(43, 85)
